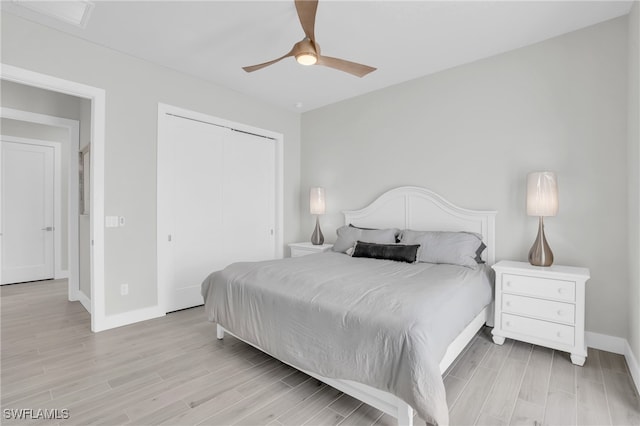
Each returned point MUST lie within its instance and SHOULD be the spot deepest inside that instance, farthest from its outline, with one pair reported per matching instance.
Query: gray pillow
(455, 248)
(375, 229)
(348, 235)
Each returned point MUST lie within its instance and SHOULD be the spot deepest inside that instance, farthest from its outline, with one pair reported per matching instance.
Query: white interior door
(219, 187)
(27, 212)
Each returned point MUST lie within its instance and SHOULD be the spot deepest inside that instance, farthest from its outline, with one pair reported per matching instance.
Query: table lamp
(317, 207)
(542, 200)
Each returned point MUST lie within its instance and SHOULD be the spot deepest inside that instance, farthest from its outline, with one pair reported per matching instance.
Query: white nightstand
(303, 249)
(541, 305)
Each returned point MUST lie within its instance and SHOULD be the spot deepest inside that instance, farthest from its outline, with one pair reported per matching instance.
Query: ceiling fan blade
(358, 70)
(307, 15)
(253, 68)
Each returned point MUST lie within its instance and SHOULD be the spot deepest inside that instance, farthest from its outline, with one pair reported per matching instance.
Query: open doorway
(45, 236)
(91, 254)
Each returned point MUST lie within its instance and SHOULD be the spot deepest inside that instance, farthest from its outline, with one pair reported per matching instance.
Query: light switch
(111, 221)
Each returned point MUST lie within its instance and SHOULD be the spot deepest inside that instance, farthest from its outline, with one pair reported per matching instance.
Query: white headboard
(411, 207)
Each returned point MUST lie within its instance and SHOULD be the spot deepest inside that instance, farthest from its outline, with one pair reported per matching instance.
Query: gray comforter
(382, 323)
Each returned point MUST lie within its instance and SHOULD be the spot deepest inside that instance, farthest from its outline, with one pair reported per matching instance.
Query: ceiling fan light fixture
(306, 58)
(307, 50)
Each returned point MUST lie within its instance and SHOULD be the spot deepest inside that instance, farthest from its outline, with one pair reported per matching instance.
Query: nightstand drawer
(550, 331)
(539, 287)
(539, 308)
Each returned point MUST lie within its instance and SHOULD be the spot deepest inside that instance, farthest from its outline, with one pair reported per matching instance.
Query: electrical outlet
(124, 289)
(121, 220)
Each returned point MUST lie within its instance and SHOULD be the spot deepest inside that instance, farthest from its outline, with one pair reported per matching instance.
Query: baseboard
(84, 300)
(634, 367)
(61, 274)
(604, 342)
(126, 318)
(616, 345)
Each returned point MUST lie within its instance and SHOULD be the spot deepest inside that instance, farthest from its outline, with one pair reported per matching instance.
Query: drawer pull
(507, 303)
(508, 324)
(508, 283)
(560, 290)
(559, 334)
(560, 313)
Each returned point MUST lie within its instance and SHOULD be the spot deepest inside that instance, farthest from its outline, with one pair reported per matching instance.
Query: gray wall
(40, 101)
(472, 134)
(634, 179)
(26, 129)
(133, 89)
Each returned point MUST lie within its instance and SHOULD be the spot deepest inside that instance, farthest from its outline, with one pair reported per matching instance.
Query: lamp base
(540, 253)
(317, 239)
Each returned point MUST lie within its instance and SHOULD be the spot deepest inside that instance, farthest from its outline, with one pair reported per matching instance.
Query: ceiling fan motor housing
(306, 52)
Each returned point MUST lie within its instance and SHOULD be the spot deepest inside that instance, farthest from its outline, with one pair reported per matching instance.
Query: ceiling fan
(307, 50)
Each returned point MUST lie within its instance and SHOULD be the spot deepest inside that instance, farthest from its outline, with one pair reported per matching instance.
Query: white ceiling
(403, 39)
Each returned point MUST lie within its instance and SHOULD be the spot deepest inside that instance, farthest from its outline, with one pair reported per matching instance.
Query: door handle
(48, 228)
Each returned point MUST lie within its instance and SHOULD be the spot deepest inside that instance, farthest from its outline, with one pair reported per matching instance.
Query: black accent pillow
(479, 252)
(397, 252)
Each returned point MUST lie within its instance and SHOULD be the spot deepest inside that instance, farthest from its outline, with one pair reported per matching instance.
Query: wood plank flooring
(172, 371)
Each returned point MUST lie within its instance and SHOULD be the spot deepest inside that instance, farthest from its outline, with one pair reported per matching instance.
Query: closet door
(219, 190)
(248, 198)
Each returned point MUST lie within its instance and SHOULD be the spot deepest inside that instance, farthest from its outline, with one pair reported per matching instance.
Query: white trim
(634, 367)
(604, 342)
(130, 317)
(98, 108)
(72, 273)
(84, 301)
(57, 196)
(616, 345)
(163, 250)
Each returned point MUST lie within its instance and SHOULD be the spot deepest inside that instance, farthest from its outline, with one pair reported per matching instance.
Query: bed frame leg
(405, 414)
(219, 332)
(491, 315)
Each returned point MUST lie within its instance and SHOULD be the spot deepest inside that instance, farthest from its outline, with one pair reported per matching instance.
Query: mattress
(381, 323)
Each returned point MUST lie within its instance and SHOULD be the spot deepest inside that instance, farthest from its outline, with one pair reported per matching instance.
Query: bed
(370, 328)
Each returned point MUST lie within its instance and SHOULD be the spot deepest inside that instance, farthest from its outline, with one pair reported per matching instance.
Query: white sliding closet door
(218, 187)
(248, 203)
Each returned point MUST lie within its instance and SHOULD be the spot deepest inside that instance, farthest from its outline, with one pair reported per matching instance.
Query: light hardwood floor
(173, 371)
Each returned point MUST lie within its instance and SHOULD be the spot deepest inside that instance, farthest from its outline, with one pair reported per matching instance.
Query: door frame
(58, 272)
(73, 266)
(163, 250)
(98, 123)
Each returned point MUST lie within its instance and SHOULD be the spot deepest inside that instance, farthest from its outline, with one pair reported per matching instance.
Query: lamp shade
(542, 194)
(316, 201)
